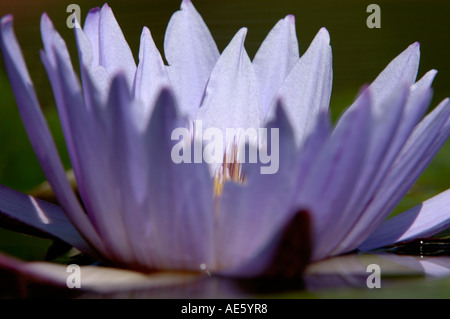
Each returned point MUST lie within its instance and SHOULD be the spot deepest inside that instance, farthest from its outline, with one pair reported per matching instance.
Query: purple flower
(335, 185)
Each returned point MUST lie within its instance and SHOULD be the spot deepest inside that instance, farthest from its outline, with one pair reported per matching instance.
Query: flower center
(230, 170)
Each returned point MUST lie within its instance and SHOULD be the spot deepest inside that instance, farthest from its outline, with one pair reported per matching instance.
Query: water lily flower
(334, 188)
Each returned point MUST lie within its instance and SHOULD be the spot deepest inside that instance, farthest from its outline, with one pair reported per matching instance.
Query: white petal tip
(325, 35)
(185, 4)
(290, 18)
(242, 33)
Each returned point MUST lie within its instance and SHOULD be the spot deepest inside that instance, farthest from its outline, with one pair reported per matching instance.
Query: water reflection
(342, 273)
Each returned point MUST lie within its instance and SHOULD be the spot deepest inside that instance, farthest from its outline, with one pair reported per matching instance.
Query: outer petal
(275, 59)
(395, 118)
(424, 220)
(39, 133)
(384, 129)
(179, 205)
(333, 177)
(423, 144)
(41, 215)
(191, 53)
(263, 202)
(83, 136)
(307, 89)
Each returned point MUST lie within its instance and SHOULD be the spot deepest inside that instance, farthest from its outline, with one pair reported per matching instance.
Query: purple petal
(179, 206)
(114, 52)
(39, 133)
(91, 29)
(191, 53)
(232, 96)
(95, 79)
(384, 129)
(285, 255)
(312, 147)
(395, 119)
(401, 70)
(262, 202)
(333, 177)
(41, 215)
(151, 75)
(307, 89)
(424, 220)
(427, 138)
(275, 59)
(84, 136)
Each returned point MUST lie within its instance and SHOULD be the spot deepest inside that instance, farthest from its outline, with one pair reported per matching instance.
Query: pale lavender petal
(263, 202)
(84, 136)
(151, 75)
(232, 96)
(91, 29)
(122, 147)
(39, 133)
(307, 89)
(117, 131)
(401, 70)
(312, 147)
(101, 202)
(284, 256)
(191, 53)
(396, 117)
(424, 220)
(333, 177)
(94, 76)
(114, 52)
(53, 43)
(417, 102)
(179, 205)
(41, 215)
(275, 59)
(384, 129)
(425, 141)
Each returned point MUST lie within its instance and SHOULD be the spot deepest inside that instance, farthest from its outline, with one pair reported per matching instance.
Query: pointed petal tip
(145, 33)
(414, 48)
(119, 80)
(242, 32)
(290, 18)
(7, 19)
(240, 35)
(46, 22)
(365, 92)
(166, 91)
(323, 32)
(94, 10)
(186, 5)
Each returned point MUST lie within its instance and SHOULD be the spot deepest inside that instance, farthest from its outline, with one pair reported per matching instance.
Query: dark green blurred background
(359, 54)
